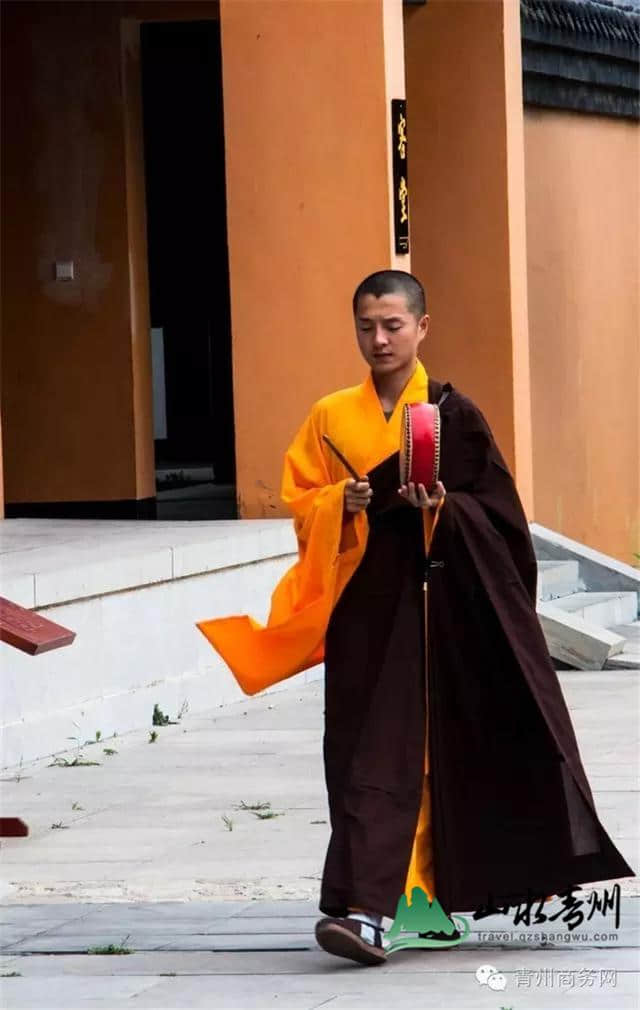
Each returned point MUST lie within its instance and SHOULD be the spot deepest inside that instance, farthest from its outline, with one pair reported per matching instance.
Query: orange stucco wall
(308, 213)
(466, 182)
(583, 267)
(75, 368)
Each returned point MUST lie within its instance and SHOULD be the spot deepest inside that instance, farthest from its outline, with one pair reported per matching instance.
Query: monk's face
(388, 332)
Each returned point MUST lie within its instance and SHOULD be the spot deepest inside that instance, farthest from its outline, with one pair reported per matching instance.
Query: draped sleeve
(330, 546)
(325, 535)
(482, 499)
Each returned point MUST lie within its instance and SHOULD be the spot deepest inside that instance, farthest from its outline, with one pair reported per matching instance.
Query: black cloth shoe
(343, 937)
(432, 934)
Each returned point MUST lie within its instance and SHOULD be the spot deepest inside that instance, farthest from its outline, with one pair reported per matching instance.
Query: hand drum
(420, 444)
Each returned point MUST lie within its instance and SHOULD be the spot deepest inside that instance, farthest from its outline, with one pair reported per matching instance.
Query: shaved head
(393, 282)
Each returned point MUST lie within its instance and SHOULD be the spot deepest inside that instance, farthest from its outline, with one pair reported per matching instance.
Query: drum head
(420, 444)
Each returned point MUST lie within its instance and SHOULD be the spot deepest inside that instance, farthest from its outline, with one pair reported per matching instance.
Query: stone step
(574, 640)
(558, 578)
(629, 658)
(624, 661)
(632, 634)
(604, 609)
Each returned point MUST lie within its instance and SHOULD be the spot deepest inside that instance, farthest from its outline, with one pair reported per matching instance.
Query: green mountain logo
(427, 919)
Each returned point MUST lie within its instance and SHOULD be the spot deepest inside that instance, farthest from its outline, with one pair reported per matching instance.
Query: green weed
(160, 719)
(112, 948)
(77, 762)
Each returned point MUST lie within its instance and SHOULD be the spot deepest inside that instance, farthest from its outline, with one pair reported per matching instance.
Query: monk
(450, 758)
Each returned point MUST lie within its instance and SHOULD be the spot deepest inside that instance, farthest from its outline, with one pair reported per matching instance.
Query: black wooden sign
(400, 184)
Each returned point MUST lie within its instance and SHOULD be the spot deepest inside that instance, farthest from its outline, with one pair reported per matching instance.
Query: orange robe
(330, 547)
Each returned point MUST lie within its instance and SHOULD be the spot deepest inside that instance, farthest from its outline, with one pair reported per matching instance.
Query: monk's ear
(423, 328)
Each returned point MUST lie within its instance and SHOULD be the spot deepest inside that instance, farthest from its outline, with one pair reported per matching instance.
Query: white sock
(368, 921)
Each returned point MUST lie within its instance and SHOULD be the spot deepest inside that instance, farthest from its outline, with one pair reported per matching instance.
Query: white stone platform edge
(100, 557)
(132, 592)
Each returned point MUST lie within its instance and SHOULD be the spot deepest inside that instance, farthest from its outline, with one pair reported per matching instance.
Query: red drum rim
(420, 444)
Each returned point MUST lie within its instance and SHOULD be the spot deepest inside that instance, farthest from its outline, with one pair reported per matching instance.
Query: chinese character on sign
(400, 165)
(586, 977)
(402, 136)
(570, 911)
(490, 908)
(566, 979)
(544, 977)
(523, 912)
(607, 901)
(403, 196)
(571, 907)
(523, 978)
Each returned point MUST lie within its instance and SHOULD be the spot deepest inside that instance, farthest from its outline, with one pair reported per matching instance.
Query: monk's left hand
(417, 496)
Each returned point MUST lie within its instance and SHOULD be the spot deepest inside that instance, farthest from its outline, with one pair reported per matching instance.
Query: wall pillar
(307, 123)
(467, 198)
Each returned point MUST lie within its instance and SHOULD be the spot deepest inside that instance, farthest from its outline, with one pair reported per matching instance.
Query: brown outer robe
(512, 811)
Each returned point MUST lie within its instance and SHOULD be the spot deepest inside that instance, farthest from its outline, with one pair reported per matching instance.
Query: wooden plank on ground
(13, 827)
(30, 632)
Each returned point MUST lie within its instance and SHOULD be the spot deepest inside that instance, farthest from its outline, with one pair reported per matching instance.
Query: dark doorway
(188, 269)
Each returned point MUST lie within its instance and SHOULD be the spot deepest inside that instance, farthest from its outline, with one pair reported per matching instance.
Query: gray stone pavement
(263, 954)
(135, 852)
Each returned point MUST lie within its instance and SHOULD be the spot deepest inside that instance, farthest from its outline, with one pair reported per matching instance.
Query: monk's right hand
(357, 495)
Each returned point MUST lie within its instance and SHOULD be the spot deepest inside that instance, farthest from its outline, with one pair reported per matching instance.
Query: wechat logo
(488, 975)
(423, 923)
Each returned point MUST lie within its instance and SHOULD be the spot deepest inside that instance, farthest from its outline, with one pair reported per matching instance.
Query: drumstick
(344, 462)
